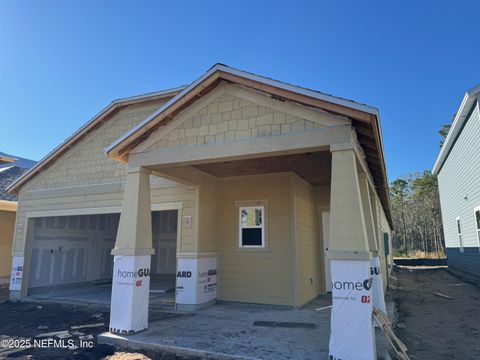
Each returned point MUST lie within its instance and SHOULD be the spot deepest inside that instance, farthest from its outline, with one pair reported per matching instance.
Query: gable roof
(16, 161)
(7, 176)
(365, 118)
(203, 85)
(469, 100)
(92, 124)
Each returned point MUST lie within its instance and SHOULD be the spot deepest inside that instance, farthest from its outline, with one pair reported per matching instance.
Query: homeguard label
(351, 335)
(196, 280)
(130, 289)
(134, 276)
(16, 276)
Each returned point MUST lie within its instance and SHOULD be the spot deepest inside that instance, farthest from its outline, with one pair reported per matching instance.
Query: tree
(416, 214)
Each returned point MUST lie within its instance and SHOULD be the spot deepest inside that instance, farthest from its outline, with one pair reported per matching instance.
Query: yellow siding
(208, 215)
(257, 276)
(7, 226)
(307, 245)
(229, 118)
(86, 163)
(113, 199)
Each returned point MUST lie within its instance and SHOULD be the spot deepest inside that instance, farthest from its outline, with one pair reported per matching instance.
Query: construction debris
(323, 308)
(397, 345)
(58, 334)
(443, 296)
(76, 327)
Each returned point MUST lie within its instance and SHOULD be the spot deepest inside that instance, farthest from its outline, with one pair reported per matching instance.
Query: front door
(326, 240)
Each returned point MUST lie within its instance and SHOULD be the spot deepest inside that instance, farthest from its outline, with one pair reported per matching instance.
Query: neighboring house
(458, 171)
(11, 168)
(253, 185)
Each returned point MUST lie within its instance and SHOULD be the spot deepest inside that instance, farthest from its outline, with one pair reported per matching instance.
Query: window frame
(477, 228)
(458, 226)
(241, 227)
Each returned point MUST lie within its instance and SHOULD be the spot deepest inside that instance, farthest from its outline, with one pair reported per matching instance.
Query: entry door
(326, 241)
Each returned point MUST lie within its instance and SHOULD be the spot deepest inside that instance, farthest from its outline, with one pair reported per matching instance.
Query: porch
(243, 331)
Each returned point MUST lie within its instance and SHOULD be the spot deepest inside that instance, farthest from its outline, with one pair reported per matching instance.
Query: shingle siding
(459, 184)
(468, 260)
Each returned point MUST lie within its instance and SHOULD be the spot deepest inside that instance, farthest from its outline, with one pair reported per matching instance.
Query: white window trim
(240, 227)
(458, 223)
(477, 230)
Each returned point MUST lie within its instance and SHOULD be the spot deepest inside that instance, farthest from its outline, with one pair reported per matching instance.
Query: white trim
(477, 228)
(246, 75)
(468, 101)
(99, 210)
(458, 227)
(241, 227)
(74, 212)
(167, 206)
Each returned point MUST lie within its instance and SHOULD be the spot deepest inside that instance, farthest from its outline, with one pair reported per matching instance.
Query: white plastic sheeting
(377, 285)
(352, 334)
(17, 273)
(196, 280)
(130, 294)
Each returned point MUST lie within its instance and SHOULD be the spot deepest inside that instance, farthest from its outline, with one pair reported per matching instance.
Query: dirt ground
(21, 323)
(434, 327)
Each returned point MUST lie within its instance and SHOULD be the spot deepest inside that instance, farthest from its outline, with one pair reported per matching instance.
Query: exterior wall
(208, 215)
(257, 275)
(7, 225)
(468, 260)
(383, 227)
(459, 186)
(85, 181)
(309, 274)
(230, 118)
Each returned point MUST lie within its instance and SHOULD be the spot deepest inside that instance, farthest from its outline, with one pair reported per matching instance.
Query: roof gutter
(468, 102)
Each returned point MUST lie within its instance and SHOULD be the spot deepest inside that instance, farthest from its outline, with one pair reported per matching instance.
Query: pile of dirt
(54, 327)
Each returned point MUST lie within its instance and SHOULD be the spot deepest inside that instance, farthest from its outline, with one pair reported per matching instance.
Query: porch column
(352, 333)
(378, 295)
(132, 255)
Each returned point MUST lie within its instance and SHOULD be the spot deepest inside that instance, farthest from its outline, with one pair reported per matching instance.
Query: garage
(71, 258)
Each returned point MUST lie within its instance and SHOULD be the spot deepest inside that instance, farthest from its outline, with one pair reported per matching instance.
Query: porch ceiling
(315, 167)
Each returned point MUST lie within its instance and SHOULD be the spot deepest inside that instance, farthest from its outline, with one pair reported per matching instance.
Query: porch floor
(162, 293)
(227, 331)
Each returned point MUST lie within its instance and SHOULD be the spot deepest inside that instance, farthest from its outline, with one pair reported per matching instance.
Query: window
(477, 223)
(252, 226)
(459, 232)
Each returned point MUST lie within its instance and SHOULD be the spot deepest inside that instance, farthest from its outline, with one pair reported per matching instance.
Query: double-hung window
(252, 227)
(459, 233)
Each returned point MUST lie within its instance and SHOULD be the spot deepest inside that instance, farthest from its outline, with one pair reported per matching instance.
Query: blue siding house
(458, 171)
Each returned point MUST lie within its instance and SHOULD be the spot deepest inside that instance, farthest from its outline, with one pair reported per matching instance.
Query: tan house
(253, 186)
(11, 168)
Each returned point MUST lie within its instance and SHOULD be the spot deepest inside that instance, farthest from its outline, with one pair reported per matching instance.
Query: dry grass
(420, 255)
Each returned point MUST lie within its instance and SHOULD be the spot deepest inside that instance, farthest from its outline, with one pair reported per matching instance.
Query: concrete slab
(98, 294)
(227, 331)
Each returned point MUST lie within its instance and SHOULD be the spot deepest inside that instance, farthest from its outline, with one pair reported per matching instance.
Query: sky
(61, 62)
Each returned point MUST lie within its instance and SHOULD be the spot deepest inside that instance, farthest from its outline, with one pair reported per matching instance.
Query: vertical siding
(307, 244)
(257, 275)
(459, 184)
